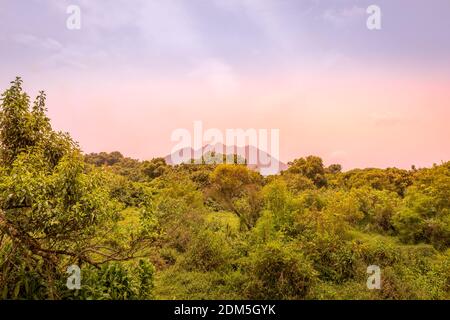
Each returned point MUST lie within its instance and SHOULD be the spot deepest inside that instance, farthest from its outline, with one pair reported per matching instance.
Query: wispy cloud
(34, 42)
(338, 155)
(385, 119)
(217, 76)
(343, 16)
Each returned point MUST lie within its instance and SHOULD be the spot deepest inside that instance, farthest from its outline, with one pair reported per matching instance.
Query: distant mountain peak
(255, 158)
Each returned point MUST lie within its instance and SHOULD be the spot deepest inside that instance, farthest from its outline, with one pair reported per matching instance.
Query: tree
(279, 271)
(391, 179)
(334, 169)
(425, 214)
(154, 168)
(310, 167)
(53, 211)
(237, 189)
(104, 158)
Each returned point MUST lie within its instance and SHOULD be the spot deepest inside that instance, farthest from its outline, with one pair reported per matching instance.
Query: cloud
(343, 17)
(35, 42)
(332, 59)
(338, 155)
(385, 119)
(163, 26)
(218, 76)
(269, 17)
(136, 35)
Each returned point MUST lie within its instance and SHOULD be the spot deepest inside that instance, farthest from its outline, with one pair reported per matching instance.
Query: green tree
(237, 189)
(425, 214)
(154, 168)
(53, 211)
(279, 271)
(310, 167)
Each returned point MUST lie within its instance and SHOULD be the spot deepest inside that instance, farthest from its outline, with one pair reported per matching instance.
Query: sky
(137, 70)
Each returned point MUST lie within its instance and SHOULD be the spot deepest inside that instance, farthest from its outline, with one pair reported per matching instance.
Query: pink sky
(360, 119)
(139, 69)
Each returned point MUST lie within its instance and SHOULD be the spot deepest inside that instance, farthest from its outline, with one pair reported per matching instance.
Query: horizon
(132, 74)
(282, 162)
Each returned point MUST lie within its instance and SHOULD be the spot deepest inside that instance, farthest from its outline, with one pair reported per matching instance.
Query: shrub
(278, 271)
(208, 251)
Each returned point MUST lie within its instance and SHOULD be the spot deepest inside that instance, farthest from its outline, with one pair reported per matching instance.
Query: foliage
(149, 230)
(54, 210)
(237, 189)
(311, 167)
(279, 271)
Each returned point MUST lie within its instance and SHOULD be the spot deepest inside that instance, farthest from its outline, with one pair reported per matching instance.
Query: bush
(115, 281)
(178, 284)
(333, 257)
(208, 251)
(278, 271)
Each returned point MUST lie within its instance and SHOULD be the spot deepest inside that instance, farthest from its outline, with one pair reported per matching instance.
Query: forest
(149, 230)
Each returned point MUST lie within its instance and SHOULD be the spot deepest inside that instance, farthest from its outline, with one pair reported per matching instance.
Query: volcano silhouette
(253, 157)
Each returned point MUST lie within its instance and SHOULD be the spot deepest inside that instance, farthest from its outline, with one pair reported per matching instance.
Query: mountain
(255, 158)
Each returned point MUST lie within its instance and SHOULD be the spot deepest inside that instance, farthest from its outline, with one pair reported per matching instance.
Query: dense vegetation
(146, 230)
